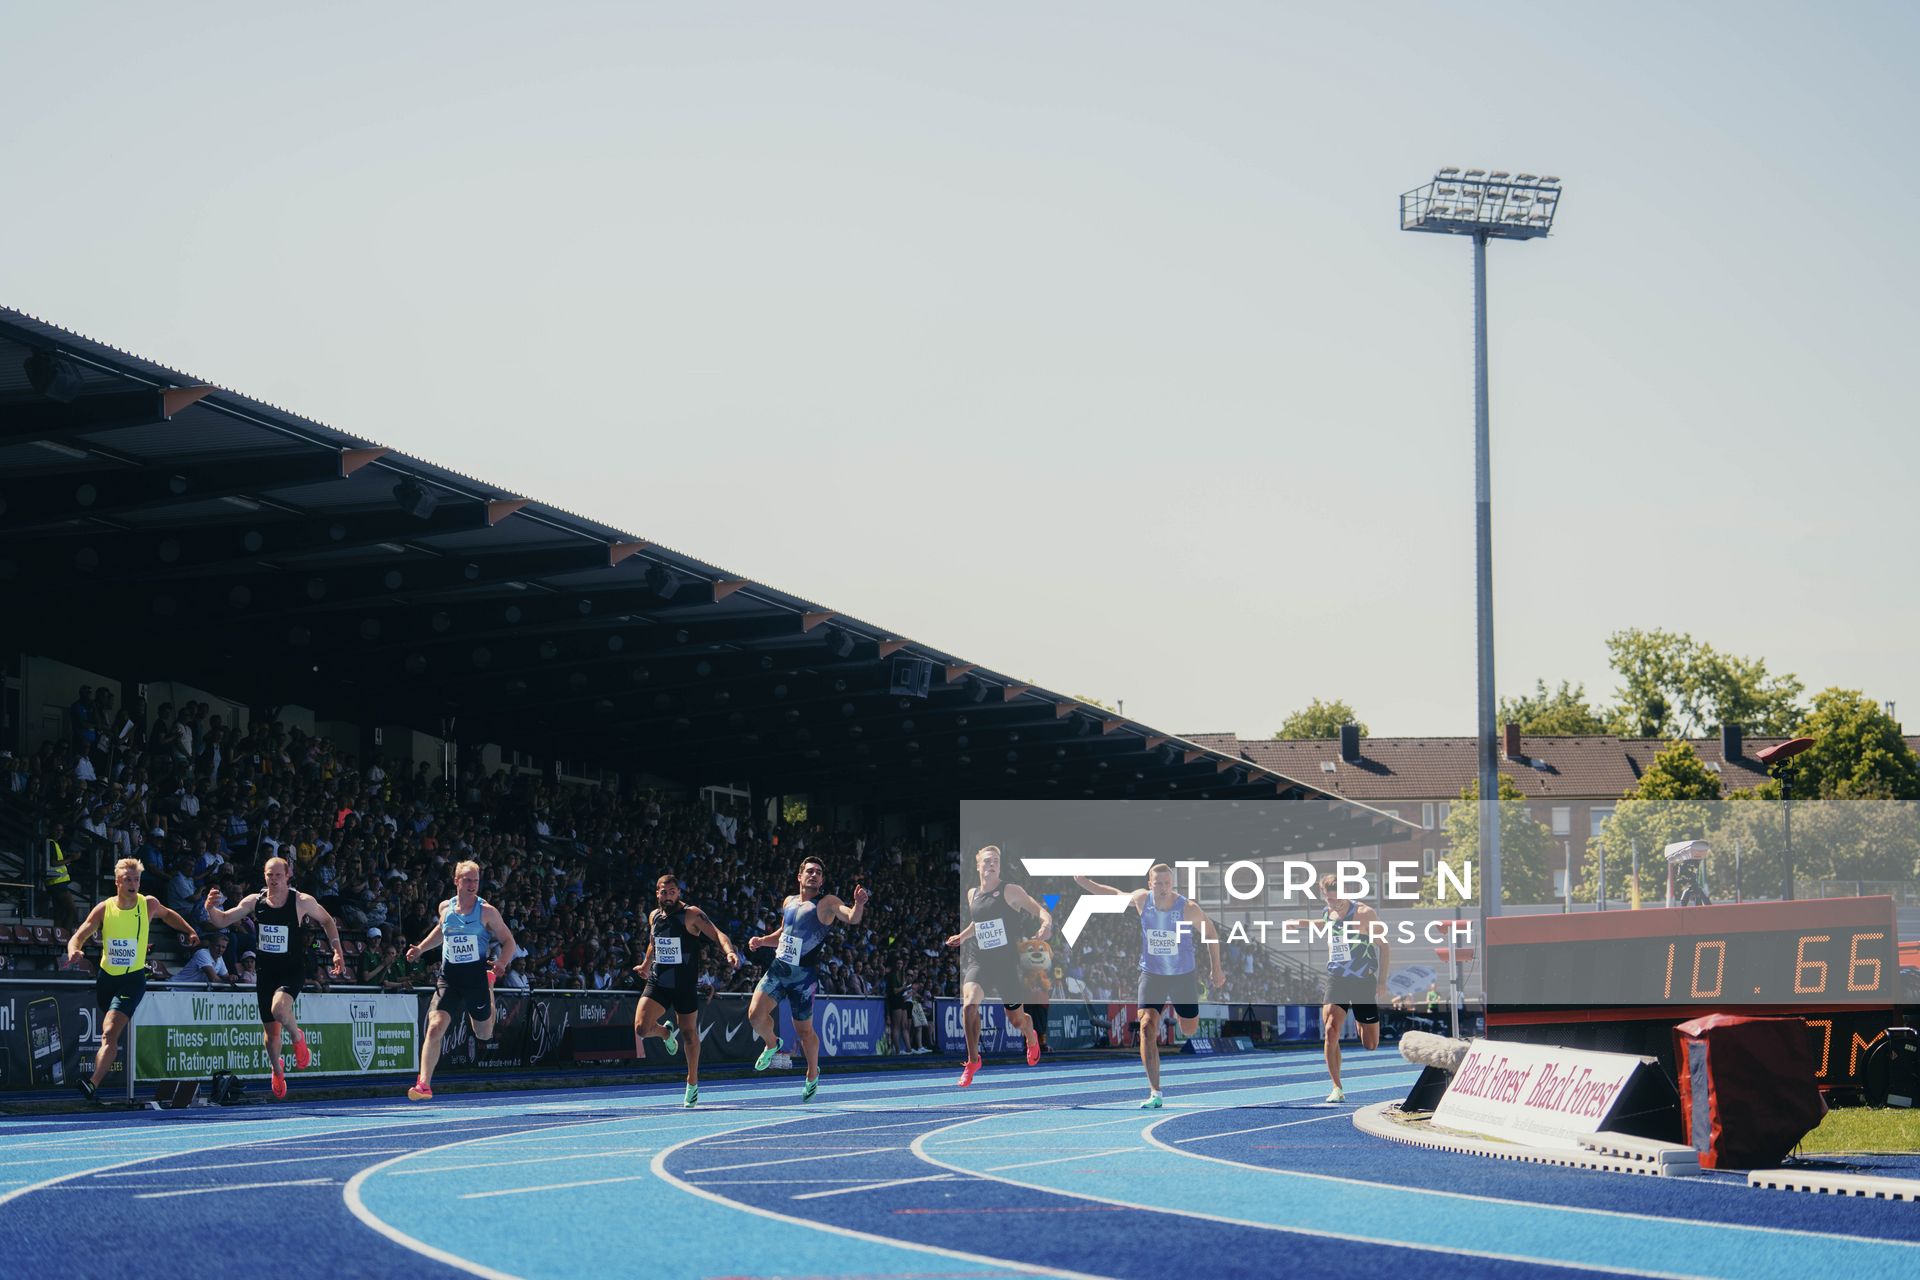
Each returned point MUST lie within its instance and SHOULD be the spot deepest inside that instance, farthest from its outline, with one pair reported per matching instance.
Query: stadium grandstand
(235, 631)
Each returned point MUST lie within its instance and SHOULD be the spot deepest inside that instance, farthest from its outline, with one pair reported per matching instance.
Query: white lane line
(253, 1164)
(871, 1186)
(553, 1186)
(503, 1164)
(1028, 1133)
(1085, 1155)
(919, 1149)
(1234, 1133)
(780, 1137)
(228, 1139)
(243, 1186)
(779, 1182)
(660, 1171)
(761, 1164)
(358, 1208)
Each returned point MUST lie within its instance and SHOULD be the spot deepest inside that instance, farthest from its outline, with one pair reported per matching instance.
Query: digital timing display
(1816, 953)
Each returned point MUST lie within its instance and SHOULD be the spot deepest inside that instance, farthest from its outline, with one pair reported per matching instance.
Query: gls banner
(995, 1036)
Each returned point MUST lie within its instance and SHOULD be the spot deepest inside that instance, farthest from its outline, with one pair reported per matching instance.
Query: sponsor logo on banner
(848, 1026)
(362, 1017)
(184, 1035)
(1535, 1095)
(995, 1037)
(1074, 1026)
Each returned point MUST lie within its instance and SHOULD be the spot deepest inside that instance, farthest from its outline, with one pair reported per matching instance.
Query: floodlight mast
(1486, 206)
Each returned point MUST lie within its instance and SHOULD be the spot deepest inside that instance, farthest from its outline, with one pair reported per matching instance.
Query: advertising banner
(1076, 1026)
(186, 1035)
(848, 1026)
(49, 1031)
(951, 1030)
(725, 1035)
(506, 1050)
(1533, 1094)
(1296, 1023)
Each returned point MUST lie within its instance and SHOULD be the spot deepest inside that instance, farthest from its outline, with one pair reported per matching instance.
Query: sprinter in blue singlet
(1169, 923)
(466, 981)
(804, 918)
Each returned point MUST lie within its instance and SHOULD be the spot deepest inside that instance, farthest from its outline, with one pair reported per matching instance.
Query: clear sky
(1076, 339)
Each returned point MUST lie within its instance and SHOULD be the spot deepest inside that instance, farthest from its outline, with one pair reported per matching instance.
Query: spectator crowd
(203, 804)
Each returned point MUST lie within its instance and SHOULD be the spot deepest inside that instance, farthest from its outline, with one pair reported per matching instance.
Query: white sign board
(1534, 1094)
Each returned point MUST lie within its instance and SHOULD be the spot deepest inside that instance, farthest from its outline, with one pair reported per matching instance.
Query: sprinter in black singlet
(279, 911)
(671, 971)
(990, 964)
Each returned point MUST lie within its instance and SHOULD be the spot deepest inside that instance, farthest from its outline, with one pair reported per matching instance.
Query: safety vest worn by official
(57, 873)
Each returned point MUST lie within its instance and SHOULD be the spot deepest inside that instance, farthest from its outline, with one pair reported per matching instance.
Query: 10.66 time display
(1820, 953)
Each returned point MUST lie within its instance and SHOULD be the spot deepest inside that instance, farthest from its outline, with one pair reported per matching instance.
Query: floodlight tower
(1486, 206)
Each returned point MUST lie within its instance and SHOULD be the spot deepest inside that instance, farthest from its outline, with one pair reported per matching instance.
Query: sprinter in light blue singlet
(466, 982)
(1169, 924)
(804, 918)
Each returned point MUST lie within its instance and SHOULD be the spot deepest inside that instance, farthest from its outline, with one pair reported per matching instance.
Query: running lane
(1316, 1195)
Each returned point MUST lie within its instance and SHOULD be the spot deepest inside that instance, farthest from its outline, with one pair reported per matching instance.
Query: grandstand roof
(158, 526)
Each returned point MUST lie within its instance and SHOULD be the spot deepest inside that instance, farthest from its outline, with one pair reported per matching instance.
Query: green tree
(1528, 851)
(1674, 800)
(1858, 753)
(1320, 720)
(1562, 712)
(1673, 686)
(1855, 815)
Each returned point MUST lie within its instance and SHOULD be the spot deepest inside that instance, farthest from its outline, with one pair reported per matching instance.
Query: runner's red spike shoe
(966, 1074)
(1033, 1051)
(301, 1054)
(279, 1083)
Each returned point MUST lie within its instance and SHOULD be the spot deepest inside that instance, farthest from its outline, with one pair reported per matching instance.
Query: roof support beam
(65, 422)
(37, 500)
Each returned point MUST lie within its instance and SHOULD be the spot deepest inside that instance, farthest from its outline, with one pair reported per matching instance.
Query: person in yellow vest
(59, 880)
(123, 923)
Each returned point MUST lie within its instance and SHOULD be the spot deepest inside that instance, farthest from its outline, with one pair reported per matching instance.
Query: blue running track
(1051, 1170)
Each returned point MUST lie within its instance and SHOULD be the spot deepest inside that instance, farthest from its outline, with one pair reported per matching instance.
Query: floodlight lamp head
(1783, 751)
(415, 498)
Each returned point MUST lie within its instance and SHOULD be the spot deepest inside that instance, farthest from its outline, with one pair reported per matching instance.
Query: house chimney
(1510, 745)
(1350, 743)
(1729, 742)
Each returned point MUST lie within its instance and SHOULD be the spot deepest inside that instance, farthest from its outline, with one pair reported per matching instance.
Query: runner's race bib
(1339, 950)
(666, 951)
(990, 934)
(459, 948)
(789, 948)
(1163, 942)
(122, 951)
(273, 939)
